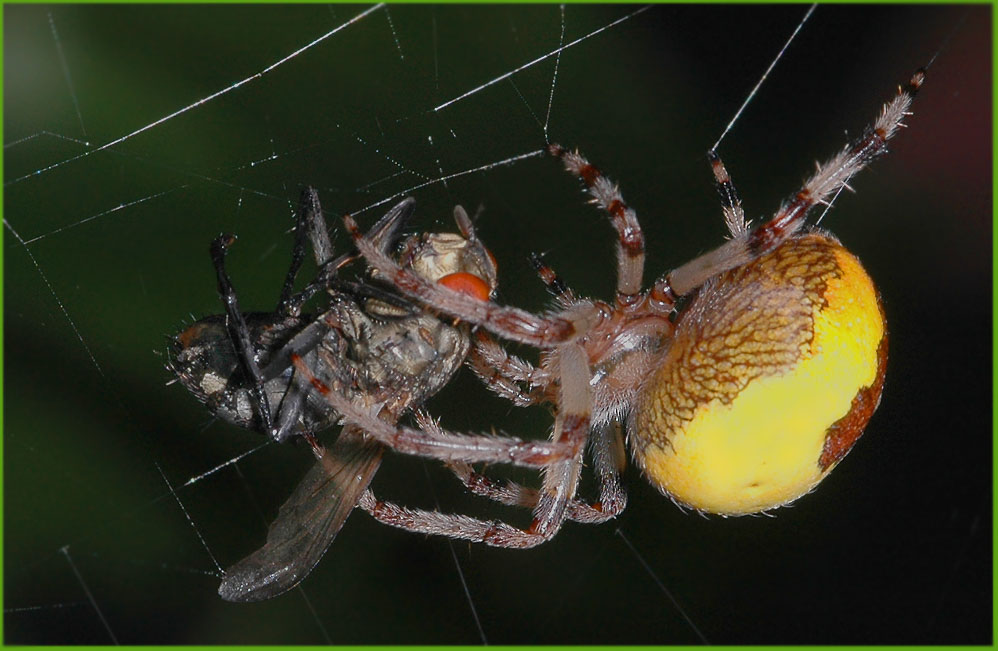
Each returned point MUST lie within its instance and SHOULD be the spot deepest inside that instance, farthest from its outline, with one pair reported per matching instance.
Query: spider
(378, 350)
(742, 377)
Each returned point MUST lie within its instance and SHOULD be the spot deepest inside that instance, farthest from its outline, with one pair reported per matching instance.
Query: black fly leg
(310, 217)
(297, 257)
(312, 226)
(283, 423)
(239, 332)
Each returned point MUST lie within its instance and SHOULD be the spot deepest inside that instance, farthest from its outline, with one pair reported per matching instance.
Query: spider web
(134, 135)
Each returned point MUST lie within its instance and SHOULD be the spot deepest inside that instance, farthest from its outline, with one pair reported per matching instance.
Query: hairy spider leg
(553, 500)
(508, 322)
(562, 292)
(823, 184)
(501, 372)
(443, 445)
(731, 203)
(630, 237)
(510, 493)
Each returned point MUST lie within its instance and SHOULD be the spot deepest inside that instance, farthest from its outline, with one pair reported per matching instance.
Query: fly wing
(308, 521)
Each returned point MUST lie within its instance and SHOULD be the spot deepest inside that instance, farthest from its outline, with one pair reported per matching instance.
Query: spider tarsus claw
(351, 227)
(916, 81)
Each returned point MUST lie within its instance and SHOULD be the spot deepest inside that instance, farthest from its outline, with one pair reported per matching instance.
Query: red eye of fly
(468, 284)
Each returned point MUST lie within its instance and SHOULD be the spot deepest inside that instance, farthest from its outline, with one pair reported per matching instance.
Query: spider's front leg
(442, 445)
(508, 322)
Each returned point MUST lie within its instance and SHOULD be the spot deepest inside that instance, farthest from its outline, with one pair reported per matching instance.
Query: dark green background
(894, 547)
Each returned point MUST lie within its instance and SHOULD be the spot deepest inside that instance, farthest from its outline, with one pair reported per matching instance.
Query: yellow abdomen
(773, 373)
